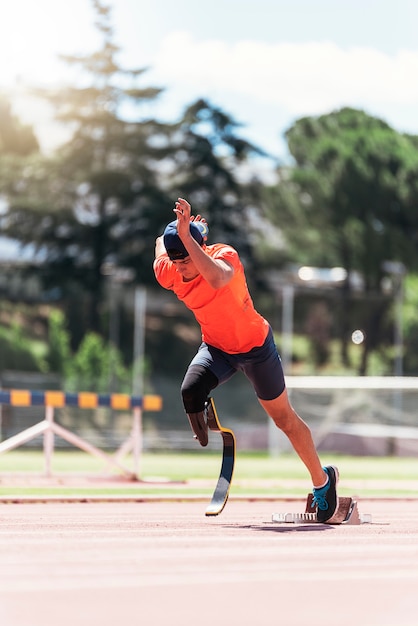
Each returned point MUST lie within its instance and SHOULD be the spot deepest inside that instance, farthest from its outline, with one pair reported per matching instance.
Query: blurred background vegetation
(84, 222)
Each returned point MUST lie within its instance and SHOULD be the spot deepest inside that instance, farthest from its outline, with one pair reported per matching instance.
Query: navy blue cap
(174, 245)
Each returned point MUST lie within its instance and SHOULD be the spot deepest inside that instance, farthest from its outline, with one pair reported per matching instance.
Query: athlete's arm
(216, 272)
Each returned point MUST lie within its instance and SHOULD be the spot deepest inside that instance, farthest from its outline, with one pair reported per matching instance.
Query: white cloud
(304, 78)
(266, 86)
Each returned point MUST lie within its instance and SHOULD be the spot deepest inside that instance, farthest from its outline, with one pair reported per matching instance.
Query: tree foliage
(208, 157)
(98, 367)
(347, 201)
(348, 198)
(98, 200)
(16, 139)
(350, 186)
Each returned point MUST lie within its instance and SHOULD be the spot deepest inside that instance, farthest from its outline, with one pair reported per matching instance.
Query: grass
(195, 473)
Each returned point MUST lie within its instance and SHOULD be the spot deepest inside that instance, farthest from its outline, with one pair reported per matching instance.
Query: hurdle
(82, 400)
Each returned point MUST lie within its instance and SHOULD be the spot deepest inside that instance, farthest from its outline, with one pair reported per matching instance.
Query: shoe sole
(337, 478)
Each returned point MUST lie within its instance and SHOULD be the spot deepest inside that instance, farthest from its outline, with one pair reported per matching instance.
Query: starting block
(347, 513)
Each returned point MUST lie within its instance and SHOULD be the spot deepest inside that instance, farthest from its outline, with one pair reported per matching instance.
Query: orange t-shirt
(226, 316)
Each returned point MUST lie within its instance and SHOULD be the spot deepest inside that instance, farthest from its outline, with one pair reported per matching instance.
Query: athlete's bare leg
(299, 434)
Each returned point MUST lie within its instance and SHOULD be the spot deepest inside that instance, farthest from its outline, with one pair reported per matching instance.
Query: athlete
(210, 281)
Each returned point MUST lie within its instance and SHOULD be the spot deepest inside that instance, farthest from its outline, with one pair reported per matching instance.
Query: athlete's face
(186, 268)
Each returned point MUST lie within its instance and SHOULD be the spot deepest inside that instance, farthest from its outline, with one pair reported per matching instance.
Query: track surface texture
(165, 563)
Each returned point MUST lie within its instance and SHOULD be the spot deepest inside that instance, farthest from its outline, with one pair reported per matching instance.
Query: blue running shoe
(325, 498)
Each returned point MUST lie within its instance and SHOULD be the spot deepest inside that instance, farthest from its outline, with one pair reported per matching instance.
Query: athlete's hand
(182, 209)
(183, 212)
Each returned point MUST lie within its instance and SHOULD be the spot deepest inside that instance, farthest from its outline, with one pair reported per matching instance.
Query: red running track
(166, 564)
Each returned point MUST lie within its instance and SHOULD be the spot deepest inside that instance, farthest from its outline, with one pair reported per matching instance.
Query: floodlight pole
(139, 341)
(287, 326)
(288, 297)
(397, 270)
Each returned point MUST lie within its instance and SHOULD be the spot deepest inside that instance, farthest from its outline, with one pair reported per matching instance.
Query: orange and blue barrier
(82, 400)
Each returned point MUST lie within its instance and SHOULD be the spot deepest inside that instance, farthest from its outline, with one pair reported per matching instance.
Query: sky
(264, 62)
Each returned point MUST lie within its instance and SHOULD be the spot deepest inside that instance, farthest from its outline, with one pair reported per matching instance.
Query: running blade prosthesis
(221, 493)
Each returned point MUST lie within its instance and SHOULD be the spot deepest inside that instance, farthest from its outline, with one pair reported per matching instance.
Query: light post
(117, 277)
(288, 295)
(139, 342)
(275, 437)
(397, 271)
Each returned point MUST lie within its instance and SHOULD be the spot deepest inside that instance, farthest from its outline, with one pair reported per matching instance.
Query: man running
(210, 281)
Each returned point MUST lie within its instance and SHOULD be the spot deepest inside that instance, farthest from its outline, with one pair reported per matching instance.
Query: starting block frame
(347, 513)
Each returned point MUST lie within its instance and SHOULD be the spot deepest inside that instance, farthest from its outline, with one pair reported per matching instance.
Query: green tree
(19, 148)
(97, 367)
(343, 203)
(59, 354)
(98, 200)
(207, 168)
(16, 139)
(93, 366)
(102, 198)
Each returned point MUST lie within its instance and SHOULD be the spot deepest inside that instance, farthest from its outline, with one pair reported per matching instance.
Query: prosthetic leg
(221, 493)
(200, 422)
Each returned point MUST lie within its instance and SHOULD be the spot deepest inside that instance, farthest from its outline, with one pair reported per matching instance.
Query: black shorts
(261, 365)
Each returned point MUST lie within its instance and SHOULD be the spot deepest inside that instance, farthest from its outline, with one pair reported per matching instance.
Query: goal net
(354, 414)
